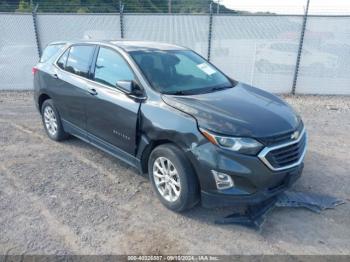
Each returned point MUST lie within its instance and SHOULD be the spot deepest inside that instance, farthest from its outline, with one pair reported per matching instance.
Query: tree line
(111, 6)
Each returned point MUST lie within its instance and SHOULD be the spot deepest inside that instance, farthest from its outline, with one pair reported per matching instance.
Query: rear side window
(79, 59)
(111, 67)
(63, 60)
(50, 51)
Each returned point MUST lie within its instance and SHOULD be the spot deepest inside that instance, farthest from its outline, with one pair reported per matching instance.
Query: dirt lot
(70, 198)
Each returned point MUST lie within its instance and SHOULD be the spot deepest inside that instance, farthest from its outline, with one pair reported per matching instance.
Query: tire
(188, 188)
(48, 110)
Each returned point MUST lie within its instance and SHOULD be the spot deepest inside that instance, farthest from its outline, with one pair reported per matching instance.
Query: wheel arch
(42, 99)
(146, 148)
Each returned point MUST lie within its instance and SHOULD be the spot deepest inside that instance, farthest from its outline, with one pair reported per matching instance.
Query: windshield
(179, 72)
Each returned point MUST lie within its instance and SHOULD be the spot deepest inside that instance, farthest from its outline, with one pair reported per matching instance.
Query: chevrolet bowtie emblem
(295, 135)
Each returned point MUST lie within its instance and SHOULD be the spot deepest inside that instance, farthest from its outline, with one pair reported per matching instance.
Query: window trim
(90, 60)
(93, 67)
(93, 64)
(67, 48)
(55, 44)
(65, 63)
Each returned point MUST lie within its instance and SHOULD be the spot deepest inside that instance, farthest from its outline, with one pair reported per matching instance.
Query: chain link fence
(261, 50)
(18, 51)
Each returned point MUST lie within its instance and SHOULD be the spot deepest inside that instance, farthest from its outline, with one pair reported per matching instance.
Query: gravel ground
(71, 198)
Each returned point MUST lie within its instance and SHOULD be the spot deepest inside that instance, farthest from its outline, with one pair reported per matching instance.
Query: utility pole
(218, 6)
(169, 6)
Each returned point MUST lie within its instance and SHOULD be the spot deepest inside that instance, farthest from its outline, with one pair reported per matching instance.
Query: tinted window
(180, 72)
(79, 59)
(49, 52)
(63, 59)
(111, 67)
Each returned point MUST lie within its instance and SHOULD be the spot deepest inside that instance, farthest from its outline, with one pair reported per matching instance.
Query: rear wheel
(52, 121)
(172, 178)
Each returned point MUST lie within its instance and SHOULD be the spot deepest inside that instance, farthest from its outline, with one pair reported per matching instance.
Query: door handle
(92, 91)
(55, 76)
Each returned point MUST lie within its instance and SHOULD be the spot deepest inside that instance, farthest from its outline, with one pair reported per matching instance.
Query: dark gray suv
(165, 110)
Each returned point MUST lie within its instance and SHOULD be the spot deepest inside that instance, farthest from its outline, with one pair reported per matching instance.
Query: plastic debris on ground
(255, 216)
(312, 201)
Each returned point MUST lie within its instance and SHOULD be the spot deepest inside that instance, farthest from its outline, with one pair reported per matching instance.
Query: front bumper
(254, 182)
(230, 198)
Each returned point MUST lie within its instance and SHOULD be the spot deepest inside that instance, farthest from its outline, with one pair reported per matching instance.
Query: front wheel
(172, 178)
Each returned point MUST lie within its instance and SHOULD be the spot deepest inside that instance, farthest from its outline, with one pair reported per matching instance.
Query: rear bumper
(232, 198)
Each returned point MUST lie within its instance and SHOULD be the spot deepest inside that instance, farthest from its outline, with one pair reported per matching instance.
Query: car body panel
(238, 111)
(112, 117)
(70, 93)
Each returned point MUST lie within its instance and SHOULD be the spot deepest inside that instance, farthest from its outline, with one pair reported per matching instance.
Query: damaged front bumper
(253, 182)
(231, 198)
(255, 215)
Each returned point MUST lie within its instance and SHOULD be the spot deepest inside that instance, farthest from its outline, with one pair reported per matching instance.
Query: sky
(333, 7)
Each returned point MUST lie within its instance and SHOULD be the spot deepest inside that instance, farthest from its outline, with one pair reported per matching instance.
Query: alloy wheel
(167, 179)
(50, 120)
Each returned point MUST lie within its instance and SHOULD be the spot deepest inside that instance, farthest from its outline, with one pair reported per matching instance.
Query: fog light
(222, 180)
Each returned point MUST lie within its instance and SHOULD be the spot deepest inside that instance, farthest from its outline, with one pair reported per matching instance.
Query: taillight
(34, 70)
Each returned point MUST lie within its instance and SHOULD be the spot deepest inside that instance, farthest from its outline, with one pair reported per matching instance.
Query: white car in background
(281, 57)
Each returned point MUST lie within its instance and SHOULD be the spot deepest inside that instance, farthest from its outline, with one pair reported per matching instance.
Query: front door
(111, 115)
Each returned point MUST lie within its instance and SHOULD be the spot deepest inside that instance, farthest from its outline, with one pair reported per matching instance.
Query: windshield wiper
(197, 91)
(178, 93)
(218, 88)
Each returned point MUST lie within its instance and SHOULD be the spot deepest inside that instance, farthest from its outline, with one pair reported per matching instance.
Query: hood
(239, 111)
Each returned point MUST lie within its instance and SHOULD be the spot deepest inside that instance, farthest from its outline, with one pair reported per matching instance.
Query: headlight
(244, 145)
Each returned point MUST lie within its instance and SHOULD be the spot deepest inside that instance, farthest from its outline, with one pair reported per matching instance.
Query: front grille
(273, 140)
(284, 156)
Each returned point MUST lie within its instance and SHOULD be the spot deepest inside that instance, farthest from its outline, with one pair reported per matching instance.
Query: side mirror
(130, 87)
(234, 82)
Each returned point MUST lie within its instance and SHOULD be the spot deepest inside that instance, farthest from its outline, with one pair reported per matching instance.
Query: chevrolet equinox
(163, 109)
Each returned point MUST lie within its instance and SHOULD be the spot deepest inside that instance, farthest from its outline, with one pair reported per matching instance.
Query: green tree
(108, 6)
(24, 6)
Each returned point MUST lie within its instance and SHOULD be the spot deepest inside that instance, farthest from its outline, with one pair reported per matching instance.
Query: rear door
(69, 85)
(111, 115)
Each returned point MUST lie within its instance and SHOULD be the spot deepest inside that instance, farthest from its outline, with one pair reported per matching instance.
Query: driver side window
(111, 67)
